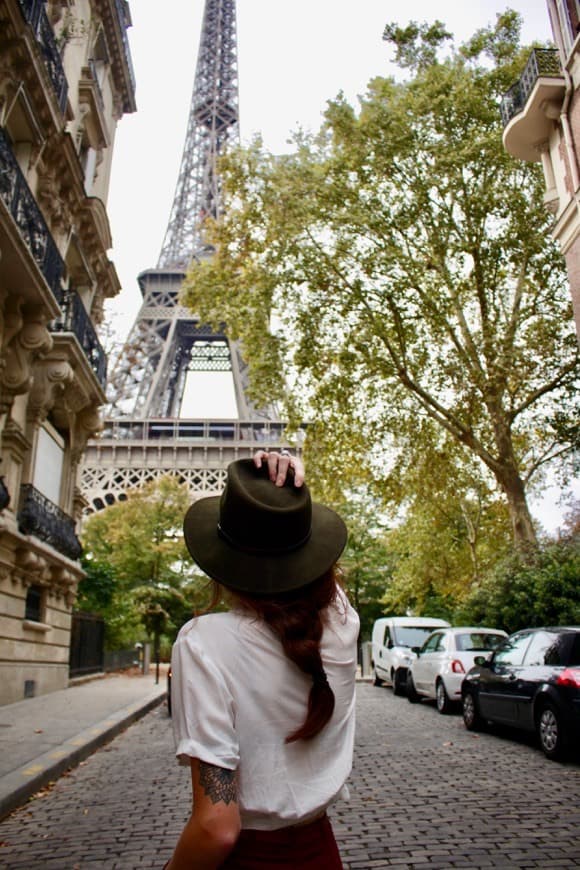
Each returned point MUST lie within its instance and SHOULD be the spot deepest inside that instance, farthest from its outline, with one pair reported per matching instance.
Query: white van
(393, 639)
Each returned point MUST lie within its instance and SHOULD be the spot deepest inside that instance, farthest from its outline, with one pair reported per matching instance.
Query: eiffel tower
(150, 429)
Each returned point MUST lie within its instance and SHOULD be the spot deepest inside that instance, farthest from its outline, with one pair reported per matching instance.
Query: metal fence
(87, 644)
(120, 659)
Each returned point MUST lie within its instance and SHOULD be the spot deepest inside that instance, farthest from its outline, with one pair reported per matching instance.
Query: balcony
(75, 319)
(207, 432)
(35, 14)
(20, 202)
(40, 517)
(531, 105)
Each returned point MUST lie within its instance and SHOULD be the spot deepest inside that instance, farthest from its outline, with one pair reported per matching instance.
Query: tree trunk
(508, 476)
(522, 523)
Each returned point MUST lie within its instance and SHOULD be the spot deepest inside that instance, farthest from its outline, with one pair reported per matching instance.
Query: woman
(263, 695)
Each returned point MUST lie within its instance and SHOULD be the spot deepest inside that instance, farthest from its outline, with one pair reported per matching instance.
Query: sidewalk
(42, 737)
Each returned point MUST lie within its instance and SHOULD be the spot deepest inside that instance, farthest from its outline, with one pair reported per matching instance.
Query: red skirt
(303, 847)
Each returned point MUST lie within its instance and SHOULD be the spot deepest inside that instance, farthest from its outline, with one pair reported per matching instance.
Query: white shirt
(235, 698)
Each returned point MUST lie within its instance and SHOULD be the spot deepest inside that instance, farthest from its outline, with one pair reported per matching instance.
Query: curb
(19, 785)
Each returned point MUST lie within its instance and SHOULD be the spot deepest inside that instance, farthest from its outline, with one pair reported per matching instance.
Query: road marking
(30, 771)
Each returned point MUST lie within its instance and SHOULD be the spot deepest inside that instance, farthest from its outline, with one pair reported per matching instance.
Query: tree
(453, 530)
(141, 538)
(541, 591)
(397, 266)
(366, 563)
(139, 572)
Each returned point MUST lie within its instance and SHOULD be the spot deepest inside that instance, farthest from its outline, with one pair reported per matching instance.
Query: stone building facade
(65, 81)
(541, 114)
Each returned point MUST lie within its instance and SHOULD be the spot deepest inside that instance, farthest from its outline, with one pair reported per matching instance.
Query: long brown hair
(296, 619)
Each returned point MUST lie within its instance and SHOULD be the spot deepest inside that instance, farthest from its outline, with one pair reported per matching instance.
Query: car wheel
(471, 715)
(412, 694)
(398, 683)
(442, 698)
(551, 732)
(377, 680)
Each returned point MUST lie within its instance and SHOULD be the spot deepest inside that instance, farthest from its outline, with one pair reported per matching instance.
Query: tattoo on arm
(218, 783)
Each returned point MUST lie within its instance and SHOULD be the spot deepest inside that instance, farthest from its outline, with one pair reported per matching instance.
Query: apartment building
(66, 80)
(541, 115)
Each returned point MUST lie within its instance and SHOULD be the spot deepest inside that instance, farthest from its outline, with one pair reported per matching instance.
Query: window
(513, 650)
(574, 651)
(434, 643)
(567, 18)
(49, 463)
(478, 641)
(412, 635)
(545, 649)
(34, 609)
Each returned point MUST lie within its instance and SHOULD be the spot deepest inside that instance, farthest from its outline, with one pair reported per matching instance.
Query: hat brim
(262, 573)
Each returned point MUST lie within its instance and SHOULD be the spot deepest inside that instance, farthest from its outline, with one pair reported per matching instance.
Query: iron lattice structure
(167, 341)
(213, 125)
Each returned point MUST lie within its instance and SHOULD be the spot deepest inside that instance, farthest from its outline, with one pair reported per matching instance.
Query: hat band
(261, 551)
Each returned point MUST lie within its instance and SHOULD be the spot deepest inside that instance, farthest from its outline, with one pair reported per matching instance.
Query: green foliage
(454, 528)
(522, 594)
(417, 45)
(141, 538)
(140, 576)
(365, 562)
(440, 551)
(398, 266)
(97, 589)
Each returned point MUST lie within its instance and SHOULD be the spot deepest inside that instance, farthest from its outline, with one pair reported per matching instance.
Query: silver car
(442, 662)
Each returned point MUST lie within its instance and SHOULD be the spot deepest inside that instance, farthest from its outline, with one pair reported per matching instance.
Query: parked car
(442, 662)
(531, 682)
(392, 641)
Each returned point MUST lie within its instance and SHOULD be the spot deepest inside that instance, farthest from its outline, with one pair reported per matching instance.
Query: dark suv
(531, 682)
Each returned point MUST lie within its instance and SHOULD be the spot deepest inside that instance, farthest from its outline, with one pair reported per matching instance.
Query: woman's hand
(279, 463)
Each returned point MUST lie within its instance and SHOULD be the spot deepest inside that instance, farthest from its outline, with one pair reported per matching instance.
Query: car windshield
(473, 641)
(412, 635)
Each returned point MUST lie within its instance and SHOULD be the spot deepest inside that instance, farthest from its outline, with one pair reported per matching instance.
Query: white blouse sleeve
(202, 706)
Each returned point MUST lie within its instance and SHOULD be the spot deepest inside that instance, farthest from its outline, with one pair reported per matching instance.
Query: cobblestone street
(425, 793)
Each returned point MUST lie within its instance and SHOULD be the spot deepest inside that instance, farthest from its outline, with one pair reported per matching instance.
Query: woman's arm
(214, 825)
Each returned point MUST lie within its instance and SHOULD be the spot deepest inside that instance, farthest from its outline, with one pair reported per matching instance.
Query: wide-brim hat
(260, 538)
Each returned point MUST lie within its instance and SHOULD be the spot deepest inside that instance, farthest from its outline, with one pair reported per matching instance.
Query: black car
(531, 682)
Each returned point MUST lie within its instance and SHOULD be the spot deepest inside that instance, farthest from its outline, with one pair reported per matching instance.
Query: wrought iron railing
(35, 14)
(255, 432)
(541, 62)
(18, 198)
(75, 319)
(123, 26)
(41, 517)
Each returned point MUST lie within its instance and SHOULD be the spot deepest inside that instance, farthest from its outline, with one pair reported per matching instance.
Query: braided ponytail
(296, 619)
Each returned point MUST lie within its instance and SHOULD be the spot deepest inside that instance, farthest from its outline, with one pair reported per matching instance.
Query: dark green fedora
(260, 538)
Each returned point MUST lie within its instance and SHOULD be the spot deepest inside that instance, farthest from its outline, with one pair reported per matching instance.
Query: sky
(293, 56)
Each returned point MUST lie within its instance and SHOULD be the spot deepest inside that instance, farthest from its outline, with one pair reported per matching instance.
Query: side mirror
(482, 661)
(416, 650)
